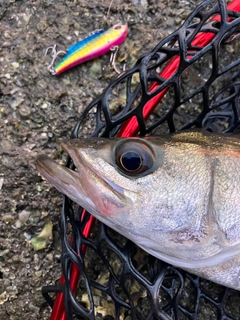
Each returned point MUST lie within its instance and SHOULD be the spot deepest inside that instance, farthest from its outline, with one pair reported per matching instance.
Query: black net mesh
(106, 276)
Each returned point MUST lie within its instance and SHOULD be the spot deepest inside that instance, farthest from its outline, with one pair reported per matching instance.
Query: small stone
(33, 308)
(42, 138)
(229, 48)
(23, 216)
(8, 218)
(3, 297)
(16, 102)
(24, 111)
(178, 20)
(16, 258)
(40, 242)
(44, 213)
(44, 105)
(36, 258)
(38, 273)
(41, 26)
(18, 224)
(27, 235)
(3, 252)
(49, 256)
(1, 183)
(15, 65)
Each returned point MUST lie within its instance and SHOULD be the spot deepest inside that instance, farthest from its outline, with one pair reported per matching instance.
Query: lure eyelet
(117, 27)
(134, 157)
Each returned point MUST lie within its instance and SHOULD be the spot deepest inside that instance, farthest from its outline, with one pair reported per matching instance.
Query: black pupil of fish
(131, 161)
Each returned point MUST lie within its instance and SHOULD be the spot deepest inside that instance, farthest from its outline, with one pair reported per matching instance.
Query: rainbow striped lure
(95, 45)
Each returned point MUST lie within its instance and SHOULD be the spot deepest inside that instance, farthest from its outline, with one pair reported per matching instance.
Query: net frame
(158, 71)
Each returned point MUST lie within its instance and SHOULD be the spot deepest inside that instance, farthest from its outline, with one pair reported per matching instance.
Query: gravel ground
(38, 111)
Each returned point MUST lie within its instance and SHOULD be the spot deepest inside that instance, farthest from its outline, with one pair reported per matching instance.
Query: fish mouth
(80, 161)
(86, 186)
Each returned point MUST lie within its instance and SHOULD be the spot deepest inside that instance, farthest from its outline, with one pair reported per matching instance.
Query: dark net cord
(176, 44)
(137, 285)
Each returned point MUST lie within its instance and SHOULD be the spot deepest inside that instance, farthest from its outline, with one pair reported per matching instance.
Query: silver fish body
(177, 197)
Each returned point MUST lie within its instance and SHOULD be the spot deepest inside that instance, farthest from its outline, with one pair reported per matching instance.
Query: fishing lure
(95, 45)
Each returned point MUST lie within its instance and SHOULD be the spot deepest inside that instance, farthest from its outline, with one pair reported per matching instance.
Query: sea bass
(177, 197)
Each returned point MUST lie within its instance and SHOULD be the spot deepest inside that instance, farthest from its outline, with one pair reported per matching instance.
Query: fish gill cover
(136, 285)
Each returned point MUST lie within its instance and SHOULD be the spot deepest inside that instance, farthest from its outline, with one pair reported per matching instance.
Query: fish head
(136, 186)
(108, 178)
(132, 185)
(164, 193)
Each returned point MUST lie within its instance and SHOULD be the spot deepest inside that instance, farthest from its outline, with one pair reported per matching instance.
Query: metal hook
(54, 54)
(113, 60)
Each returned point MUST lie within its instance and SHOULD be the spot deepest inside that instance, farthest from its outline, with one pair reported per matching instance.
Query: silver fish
(177, 197)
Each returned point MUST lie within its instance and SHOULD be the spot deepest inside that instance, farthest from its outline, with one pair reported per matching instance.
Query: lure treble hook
(54, 54)
(113, 60)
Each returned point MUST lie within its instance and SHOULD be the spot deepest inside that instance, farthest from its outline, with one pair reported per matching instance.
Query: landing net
(105, 276)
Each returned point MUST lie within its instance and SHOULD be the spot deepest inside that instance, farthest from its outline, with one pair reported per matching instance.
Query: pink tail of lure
(95, 45)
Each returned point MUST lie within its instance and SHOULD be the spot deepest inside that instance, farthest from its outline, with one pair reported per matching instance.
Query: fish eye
(134, 158)
(131, 161)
